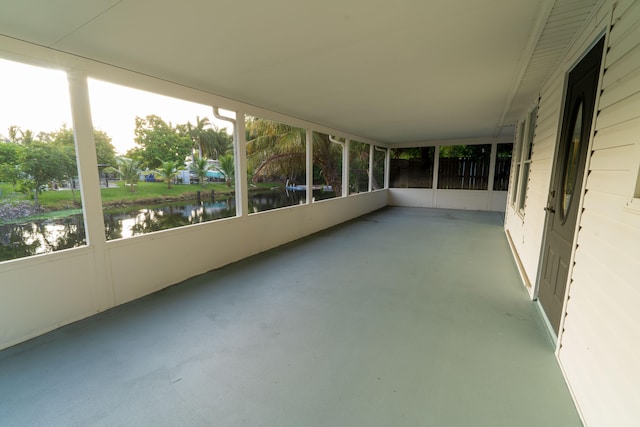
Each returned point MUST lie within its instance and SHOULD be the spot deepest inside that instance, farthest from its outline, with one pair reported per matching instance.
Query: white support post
(240, 155)
(309, 144)
(345, 168)
(436, 166)
(492, 165)
(371, 154)
(90, 185)
(387, 167)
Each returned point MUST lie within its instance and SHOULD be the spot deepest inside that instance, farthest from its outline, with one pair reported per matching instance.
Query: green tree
(26, 137)
(105, 151)
(42, 163)
(9, 170)
(327, 156)
(358, 167)
(465, 151)
(64, 141)
(200, 166)
(159, 140)
(275, 149)
(64, 137)
(228, 168)
(198, 133)
(168, 171)
(129, 171)
(220, 143)
(19, 136)
(13, 133)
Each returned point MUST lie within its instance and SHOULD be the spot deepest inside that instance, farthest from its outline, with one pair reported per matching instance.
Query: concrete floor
(405, 317)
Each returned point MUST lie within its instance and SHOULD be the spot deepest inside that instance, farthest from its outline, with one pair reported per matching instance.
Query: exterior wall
(599, 339)
(41, 293)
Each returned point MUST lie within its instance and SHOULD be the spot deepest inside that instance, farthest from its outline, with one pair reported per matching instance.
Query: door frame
(555, 337)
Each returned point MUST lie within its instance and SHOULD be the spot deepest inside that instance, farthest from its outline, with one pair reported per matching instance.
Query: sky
(37, 99)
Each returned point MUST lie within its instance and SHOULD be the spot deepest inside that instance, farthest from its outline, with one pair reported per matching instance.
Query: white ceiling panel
(392, 71)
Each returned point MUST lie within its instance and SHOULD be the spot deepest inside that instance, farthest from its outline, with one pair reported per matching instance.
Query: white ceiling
(401, 71)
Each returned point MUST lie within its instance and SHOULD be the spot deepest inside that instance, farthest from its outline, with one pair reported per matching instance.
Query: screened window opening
(379, 165)
(40, 202)
(276, 164)
(503, 167)
(358, 167)
(411, 167)
(634, 203)
(517, 163)
(636, 193)
(163, 162)
(528, 134)
(464, 167)
(327, 167)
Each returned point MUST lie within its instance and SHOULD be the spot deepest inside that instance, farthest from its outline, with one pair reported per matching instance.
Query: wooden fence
(453, 173)
(501, 178)
(463, 173)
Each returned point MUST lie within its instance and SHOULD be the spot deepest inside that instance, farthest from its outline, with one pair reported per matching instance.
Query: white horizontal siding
(525, 233)
(545, 135)
(617, 90)
(617, 70)
(623, 40)
(611, 182)
(599, 346)
(595, 392)
(622, 7)
(626, 133)
(607, 204)
(615, 244)
(622, 111)
(544, 153)
(600, 343)
(614, 159)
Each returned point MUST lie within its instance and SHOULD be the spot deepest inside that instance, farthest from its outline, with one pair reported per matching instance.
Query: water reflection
(128, 223)
(40, 237)
(260, 202)
(44, 236)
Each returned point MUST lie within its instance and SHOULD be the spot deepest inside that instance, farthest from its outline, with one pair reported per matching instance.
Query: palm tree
(27, 137)
(168, 171)
(219, 143)
(327, 157)
(13, 133)
(199, 133)
(275, 149)
(200, 166)
(227, 167)
(128, 170)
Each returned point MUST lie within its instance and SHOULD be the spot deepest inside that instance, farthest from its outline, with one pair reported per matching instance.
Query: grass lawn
(145, 193)
(152, 192)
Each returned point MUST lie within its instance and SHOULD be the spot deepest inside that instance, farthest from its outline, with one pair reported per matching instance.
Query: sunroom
(383, 180)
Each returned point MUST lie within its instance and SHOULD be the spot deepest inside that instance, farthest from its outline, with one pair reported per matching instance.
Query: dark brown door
(566, 185)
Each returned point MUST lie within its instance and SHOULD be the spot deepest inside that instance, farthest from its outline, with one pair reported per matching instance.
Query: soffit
(566, 19)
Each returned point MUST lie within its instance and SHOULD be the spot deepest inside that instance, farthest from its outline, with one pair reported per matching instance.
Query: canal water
(44, 236)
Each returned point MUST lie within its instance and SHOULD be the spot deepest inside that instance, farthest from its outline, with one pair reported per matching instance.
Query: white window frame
(517, 158)
(634, 204)
(526, 136)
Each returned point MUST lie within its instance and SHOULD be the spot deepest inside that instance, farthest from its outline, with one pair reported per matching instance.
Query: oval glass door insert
(571, 162)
